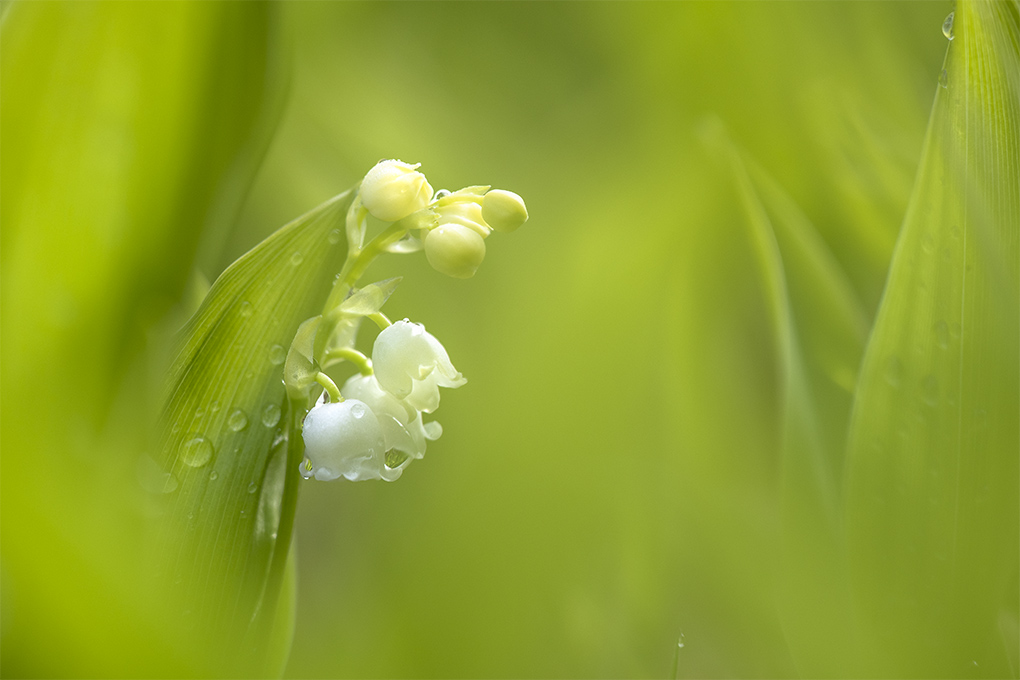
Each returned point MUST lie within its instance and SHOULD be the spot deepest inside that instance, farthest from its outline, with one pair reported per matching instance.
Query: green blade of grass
(932, 488)
(232, 440)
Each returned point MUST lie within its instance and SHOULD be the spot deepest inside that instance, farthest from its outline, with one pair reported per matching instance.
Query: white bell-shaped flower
(393, 189)
(343, 440)
(412, 365)
(402, 426)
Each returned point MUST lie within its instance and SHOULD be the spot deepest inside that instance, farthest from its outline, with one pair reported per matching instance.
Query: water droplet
(944, 78)
(442, 193)
(168, 483)
(277, 355)
(270, 415)
(252, 487)
(334, 237)
(930, 390)
(395, 458)
(357, 410)
(197, 451)
(942, 334)
(199, 412)
(238, 420)
(893, 371)
(246, 309)
(214, 407)
(927, 243)
(213, 475)
(947, 26)
(297, 258)
(176, 428)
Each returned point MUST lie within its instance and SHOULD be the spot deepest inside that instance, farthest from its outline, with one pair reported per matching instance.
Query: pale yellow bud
(454, 250)
(466, 213)
(504, 210)
(392, 190)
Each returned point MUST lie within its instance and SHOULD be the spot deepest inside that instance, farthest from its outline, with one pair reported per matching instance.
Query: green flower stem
(360, 361)
(380, 320)
(359, 260)
(330, 387)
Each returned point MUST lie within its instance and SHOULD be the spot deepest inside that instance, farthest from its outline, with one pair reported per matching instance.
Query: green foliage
(749, 374)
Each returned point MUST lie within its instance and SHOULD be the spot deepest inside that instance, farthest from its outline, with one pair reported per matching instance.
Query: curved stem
(360, 361)
(330, 387)
(380, 320)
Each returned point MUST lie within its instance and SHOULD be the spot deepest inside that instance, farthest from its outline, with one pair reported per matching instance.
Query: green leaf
(129, 132)
(819, 330)
(932, 488)
(232, 438)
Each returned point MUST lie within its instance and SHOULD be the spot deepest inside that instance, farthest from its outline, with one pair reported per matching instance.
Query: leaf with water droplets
(932, 489)
(236, 463)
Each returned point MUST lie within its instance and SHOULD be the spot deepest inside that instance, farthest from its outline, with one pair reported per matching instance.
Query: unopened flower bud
(392, 190)
(466, 213)
(454, 250)
(504, 210)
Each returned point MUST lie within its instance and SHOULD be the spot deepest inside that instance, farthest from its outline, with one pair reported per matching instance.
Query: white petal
(344, 439)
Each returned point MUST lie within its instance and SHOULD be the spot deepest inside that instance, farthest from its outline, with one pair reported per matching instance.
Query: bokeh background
(610, 481)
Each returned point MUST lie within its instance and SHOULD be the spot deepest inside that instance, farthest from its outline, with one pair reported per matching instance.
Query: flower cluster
(377, 430)
(452, 226)
(372, 427)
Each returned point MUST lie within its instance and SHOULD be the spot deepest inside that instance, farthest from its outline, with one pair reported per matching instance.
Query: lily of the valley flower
(392, 190)
(343, 440)
(402, 426)
(412, 365)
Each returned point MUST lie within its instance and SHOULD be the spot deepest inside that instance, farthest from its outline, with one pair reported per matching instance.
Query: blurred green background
(612, 478)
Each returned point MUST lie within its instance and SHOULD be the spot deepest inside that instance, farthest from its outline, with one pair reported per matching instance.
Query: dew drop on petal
(357, 410)
(270, 415)
(277, 355)
(237, 421)
(947, 26)
(197, 451)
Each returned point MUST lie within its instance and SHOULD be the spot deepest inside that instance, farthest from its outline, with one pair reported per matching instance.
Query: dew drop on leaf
(947, 26)
(237, 421)
(944, 78)
(246, 309)
(942, 334)
(277, 355)
(893, 371)
(297, 258)
(271, 415)
(252, 487)
(334, 237)
(197, 451)
(930, 390)
(213, 475)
